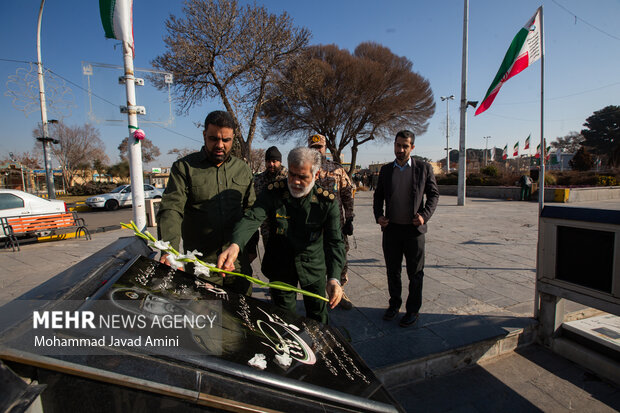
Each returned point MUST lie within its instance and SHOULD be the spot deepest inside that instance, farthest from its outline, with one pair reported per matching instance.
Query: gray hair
(298, 157)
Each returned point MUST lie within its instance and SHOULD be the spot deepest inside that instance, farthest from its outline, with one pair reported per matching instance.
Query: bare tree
(23, 89)
(27, 159)
(257, 160)
(78, 148)
(180, 153)
(149, 151)
(569, 143)
(222, 50)
(349, 98)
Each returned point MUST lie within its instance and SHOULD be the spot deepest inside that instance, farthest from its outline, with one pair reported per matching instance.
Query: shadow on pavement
(532, 379)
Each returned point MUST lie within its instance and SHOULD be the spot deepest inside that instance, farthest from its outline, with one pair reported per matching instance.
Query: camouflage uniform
(260, 184)
(334, 177)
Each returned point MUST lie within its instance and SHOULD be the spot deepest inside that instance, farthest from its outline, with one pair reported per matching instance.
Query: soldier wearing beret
(305, 245)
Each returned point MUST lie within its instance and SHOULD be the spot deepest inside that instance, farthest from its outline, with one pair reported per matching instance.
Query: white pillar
(135, 148)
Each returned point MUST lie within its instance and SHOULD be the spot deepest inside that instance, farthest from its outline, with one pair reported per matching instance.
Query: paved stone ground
(479, 284)
(23, 270)
(479, 279)
(529, 380)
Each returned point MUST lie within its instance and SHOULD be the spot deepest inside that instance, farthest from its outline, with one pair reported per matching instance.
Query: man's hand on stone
(164, 260)
(334, 292)
(226, 260)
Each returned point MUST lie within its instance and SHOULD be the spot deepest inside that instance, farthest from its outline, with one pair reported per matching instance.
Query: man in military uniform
(274, 171)
(332, 175)
(305, 244)
(206, 195)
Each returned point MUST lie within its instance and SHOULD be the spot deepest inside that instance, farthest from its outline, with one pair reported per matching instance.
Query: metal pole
(486, 145)
(447, 99)
(541, 177)
(49, 177)
(462, 182)
(135, 147)
(447, 135)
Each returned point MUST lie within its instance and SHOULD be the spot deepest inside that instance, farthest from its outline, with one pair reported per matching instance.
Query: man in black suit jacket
(401, 188)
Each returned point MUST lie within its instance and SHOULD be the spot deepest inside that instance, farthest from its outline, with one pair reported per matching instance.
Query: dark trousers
(399, 241)
(287, 300)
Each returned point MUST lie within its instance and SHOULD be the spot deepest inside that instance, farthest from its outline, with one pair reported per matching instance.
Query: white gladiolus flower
(174, 263)
(160, 245)
(259, 361)
(200, 269)
(284, 360)
(191, 255)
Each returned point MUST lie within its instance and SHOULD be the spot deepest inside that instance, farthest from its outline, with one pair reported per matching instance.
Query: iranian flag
(117, 19)
(505, 152)
(515, 149)
(537, 151)
(527, 142)
(524, 50)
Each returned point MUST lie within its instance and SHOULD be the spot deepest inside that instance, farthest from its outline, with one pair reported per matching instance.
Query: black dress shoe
(390, 314)
(408, 319)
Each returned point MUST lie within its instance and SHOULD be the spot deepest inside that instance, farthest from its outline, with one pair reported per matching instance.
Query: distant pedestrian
(526, 187)
(401, 188)
(374, 180)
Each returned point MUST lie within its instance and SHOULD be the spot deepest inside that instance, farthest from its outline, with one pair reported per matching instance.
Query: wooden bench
(14, 227)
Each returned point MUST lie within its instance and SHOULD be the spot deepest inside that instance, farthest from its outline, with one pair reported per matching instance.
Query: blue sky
(581, 64)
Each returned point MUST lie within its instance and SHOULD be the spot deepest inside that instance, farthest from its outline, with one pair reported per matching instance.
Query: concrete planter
(551, 194)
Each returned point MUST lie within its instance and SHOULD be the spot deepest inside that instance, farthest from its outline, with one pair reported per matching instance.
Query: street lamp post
(21, 169)
(447, 99)
(486, 145)
(45, 139)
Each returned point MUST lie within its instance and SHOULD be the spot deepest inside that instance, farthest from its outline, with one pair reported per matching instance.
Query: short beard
(300, 193)
(217, 159)
(275, 170)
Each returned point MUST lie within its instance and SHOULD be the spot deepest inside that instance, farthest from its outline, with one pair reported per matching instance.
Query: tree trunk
(353, 157)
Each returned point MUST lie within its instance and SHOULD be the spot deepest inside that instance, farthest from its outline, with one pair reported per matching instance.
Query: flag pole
(135, 145)
(462, 182)
(541, 175)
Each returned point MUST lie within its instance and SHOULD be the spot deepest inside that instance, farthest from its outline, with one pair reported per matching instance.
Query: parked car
(19, 203)
(120, 197)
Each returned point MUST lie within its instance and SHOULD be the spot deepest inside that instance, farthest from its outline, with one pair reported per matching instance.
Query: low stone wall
(594, 194)
(551, 194)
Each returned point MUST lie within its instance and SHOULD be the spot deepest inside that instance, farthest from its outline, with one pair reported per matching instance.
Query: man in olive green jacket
(305, 243)
(206, 195)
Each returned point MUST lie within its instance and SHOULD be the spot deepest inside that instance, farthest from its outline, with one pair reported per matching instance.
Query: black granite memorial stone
(245, 331)
(247, 354)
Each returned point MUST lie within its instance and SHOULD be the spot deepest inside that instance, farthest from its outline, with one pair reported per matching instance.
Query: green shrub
(490, 170)
(476, 180)
(450, 179)
(606, 180)
(91, 188)
(550, 179)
